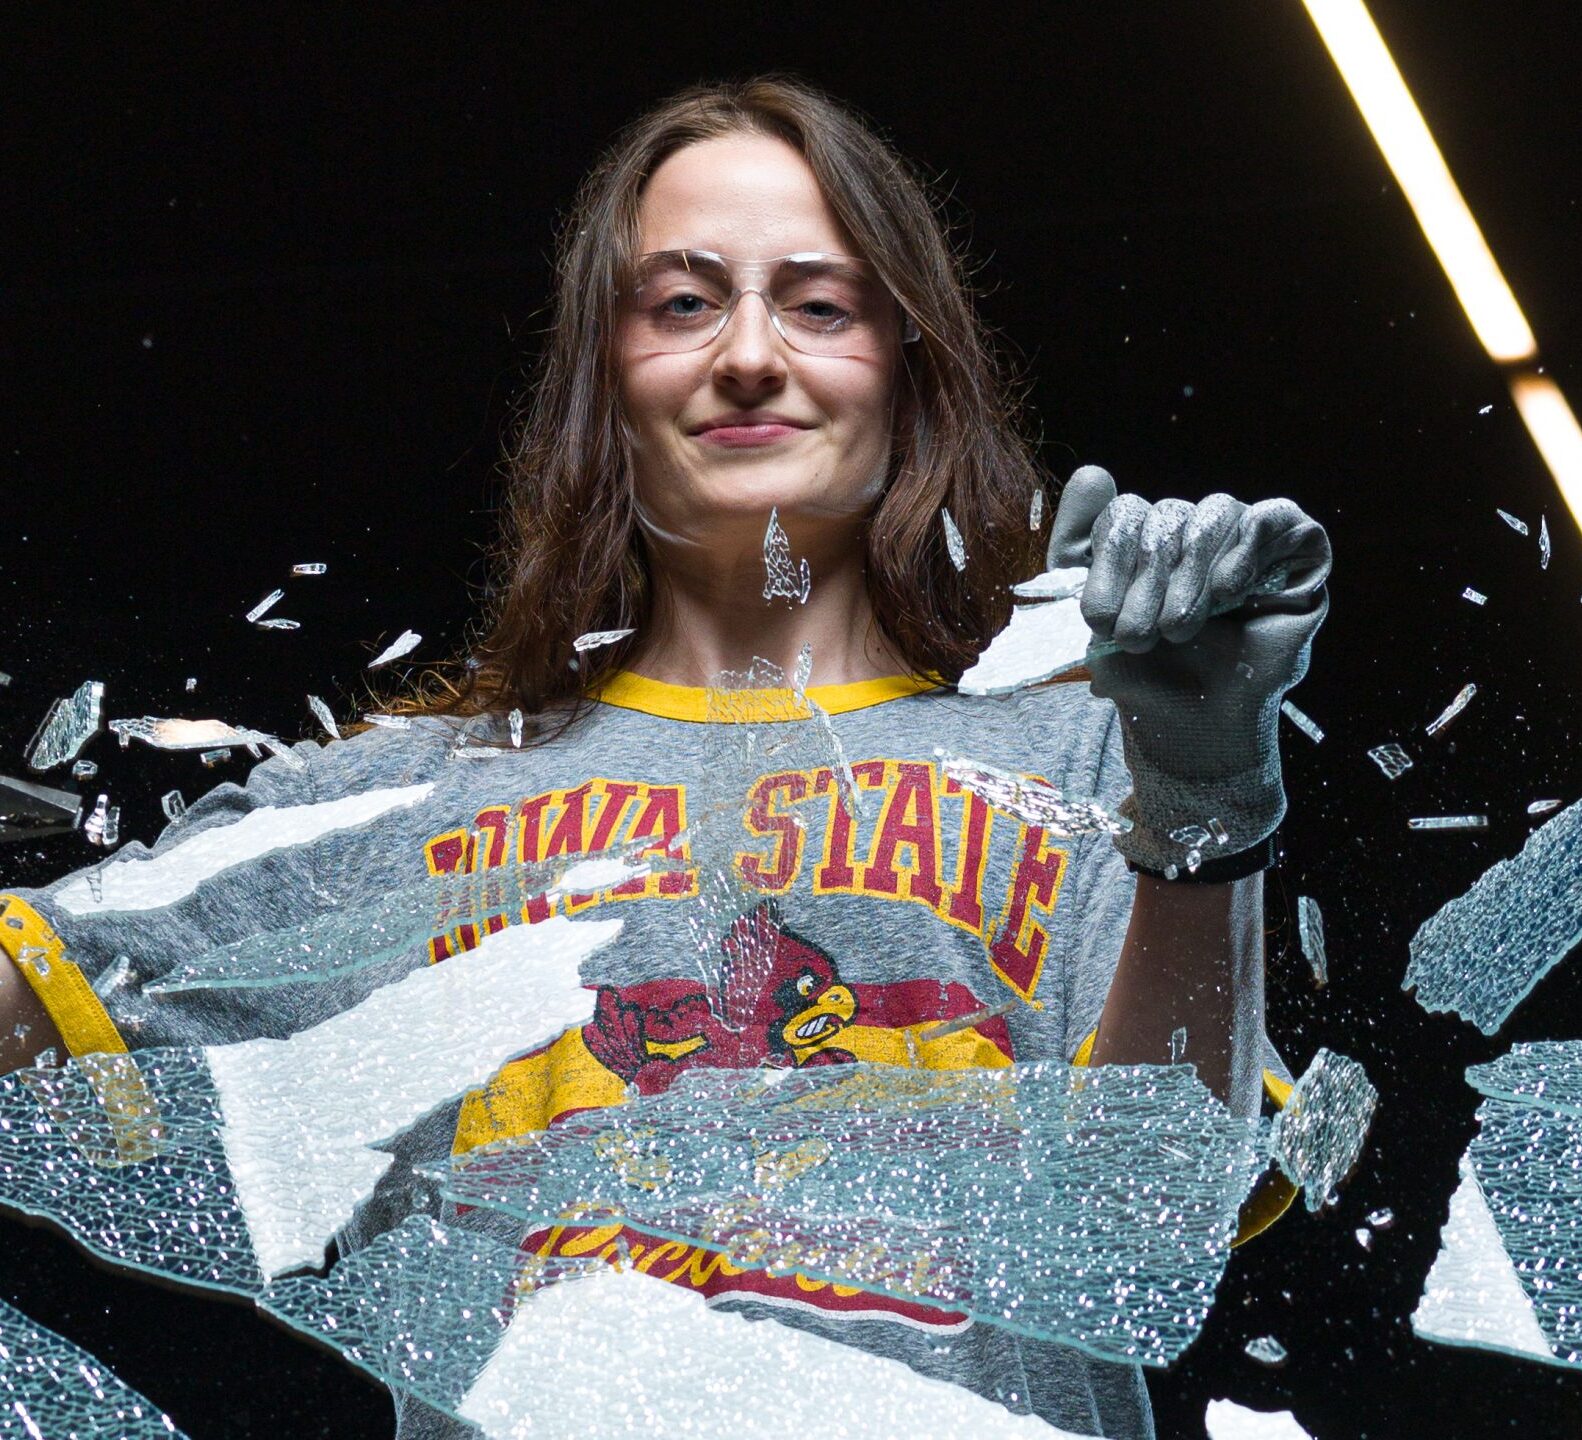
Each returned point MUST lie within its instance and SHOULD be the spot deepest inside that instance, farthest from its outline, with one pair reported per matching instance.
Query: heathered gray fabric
(874, 942)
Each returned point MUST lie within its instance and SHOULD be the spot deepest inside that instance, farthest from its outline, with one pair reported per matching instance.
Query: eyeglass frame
(758, 271)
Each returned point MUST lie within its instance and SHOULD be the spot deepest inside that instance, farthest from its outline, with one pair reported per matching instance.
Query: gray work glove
(1211, 611)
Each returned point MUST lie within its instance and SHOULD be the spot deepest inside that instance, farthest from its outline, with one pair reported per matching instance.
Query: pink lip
(737, 436)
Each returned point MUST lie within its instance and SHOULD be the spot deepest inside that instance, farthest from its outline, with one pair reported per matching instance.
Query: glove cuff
(1248, 808)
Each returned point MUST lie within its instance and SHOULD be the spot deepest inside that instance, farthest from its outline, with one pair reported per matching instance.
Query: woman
(764, 356)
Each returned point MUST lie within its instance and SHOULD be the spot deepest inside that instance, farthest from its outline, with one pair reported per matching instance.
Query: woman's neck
(710, 615)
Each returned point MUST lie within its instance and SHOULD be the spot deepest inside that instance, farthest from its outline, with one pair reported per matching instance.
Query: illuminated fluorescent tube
(1391, 114)
(1555, 432)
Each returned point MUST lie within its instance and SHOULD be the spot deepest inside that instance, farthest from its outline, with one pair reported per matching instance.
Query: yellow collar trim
(690, 702)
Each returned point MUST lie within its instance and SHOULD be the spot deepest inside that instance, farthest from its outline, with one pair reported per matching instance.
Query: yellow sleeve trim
(1272, 1196)
(690, 702)
(38, 952)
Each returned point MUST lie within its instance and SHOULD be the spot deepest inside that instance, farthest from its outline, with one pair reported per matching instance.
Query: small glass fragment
(264, 606)
(955, 546)
(1545, 548)
(965, 1022)
(112, 827)
(1462, 699)
(1519, 526)
(1191, 836)
(1032, 801)
(1245, 670)
(1172, 872)
(404, 644)
(515, 719)
(1303, 722)
(804, 670)
(1219, 832)
(4, 679)
(1543, 807)
(1391, 759)
(211, 758)
(84, 770)
(279, 624)
(325, 716)
(1364, 1237)
(596, 638)
(192, 683)
(1449, 822)
(1035, 513)
(174, 804)
(1485, 410)
(315, 567)
(1317, 1138)
(1381, 1219)
(67, 727)
(1310, 930)
(389, 722)
(1477, 597)
(1266, 1350)
(1178, 1044)
(29, 811)
(783, 579)
(1194, 861)
(94, 826)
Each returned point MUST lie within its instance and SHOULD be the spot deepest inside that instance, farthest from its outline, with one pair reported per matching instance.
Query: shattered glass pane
(325, 716)
(594, 639)
(174, 804)
(989, 1191)
(55, 1388)
(314, 567)
(1032, 801)
(1266, 1350)
(1039, 643)
(1303, 722)
(783, 578)
(1317, 1138)
(264, 606)
(274, 623)
(67, 727)
(1519, 526)
(404, 644)
(1542, 1073)
(955, 546)
(1481, 954)
(1477, 597)
(1391, 759)
(1035, 513)
(184, 734)
(28, 811)
(1545, 547)
(1449, 822)
(1463, 698)
(1310, 930)
(1543, 807)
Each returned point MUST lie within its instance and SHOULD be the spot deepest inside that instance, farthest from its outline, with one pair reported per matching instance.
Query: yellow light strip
(1364, 62)
(1359, 52)
(1555, 432)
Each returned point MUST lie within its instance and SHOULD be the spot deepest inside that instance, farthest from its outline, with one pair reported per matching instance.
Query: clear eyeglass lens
(825, 304)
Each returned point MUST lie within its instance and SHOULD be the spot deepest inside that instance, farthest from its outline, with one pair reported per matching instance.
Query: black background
(272, 284)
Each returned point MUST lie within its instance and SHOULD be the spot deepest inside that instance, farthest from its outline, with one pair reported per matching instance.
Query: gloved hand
(1213, 607)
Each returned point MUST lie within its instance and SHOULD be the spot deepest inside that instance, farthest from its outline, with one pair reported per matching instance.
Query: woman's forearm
(1193, 960)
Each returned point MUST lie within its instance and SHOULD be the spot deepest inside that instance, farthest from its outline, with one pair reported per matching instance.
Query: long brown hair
(570, 557)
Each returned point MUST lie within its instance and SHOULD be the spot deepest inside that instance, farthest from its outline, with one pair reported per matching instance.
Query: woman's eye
(684, 305)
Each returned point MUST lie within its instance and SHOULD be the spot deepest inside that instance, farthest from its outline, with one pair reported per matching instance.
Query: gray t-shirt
(925, 907)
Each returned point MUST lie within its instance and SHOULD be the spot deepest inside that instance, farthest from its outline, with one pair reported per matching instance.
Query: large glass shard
(258, 1152)
(1519, 526)
(1482, 954)
(342, 940)
(184, 734)
(1226, 1420)
(1040, 642)
(53, 1388)
(325, 716)
(472, 1327)
(1391, 759)
(1318, 1137)
(68, 726)
(1448, 822)
(28, 811)
(1058, 584)
(784, 579)
(404, 644)
(1545, 1074)
(955, 546)
(1032, 801)
(1093, 1207)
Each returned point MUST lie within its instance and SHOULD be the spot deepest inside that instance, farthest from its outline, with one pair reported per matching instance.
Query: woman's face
(750, 197)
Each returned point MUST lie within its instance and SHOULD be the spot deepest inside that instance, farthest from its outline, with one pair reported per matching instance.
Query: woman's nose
(749, 347)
